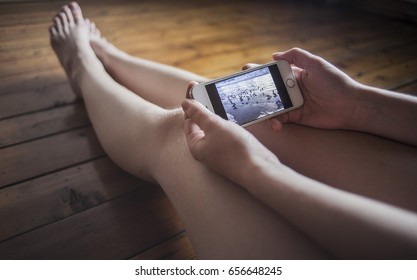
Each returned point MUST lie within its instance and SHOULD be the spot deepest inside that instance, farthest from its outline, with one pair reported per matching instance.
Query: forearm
(386, 113)
(346, 225)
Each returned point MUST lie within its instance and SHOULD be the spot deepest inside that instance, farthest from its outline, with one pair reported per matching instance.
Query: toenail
(74, 5)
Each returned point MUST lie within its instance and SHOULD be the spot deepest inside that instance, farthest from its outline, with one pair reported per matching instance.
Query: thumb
(197, 113)
(296, 56)
(275, 123)
(194, 134)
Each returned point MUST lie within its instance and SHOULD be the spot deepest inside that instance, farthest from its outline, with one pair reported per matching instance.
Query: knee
(169, 127)
(168, 139)
(139, 144)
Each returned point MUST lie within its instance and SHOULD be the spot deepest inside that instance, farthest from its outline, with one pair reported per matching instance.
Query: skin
(305, 192)
(393, 231)
(334, 104)
(336, 101)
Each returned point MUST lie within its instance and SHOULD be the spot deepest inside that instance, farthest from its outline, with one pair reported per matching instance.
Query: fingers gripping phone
(252, 95)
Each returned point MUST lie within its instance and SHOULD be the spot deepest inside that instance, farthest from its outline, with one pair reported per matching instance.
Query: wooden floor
(61, 197)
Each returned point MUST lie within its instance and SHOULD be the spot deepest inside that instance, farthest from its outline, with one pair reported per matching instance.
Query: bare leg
(128, 125)
(357, 162)
(157, 83)
(361, 163)
(222, 220)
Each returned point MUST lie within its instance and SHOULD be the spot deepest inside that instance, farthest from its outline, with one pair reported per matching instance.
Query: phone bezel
(199, 92)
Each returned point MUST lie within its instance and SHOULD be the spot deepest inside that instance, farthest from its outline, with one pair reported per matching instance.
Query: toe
(58, 24)
(89, 24)
(64, 20)
(53, 31)
(93, 28)
(76, 12)
(66, 10)
(96, 30)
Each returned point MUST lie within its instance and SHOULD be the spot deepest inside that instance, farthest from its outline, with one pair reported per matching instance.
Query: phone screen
(250, 96)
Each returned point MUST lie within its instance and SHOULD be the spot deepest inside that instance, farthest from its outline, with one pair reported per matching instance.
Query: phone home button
(290, 83)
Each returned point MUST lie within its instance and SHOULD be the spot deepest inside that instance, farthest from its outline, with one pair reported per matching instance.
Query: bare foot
(101, 47)
(70, 39)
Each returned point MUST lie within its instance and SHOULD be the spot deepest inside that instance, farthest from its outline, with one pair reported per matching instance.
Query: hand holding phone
(252, 95)
(208, 136)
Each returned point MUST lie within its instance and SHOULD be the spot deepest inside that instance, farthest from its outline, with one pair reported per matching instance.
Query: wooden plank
(391, 77)
(402, 9)
(409, 88)
(224, 14)
(33, 13)
(33, 64)
(375, 59)
(41, 60)
(7, 57)
(12, 14)
(114, 230)
(363, 60)
(24, 32)
(41, 124)
(35, 99)
(386, 46)
(216, 17)
(157, 32)
(15, 14)
(28, 62)
(310, 31)
(386, 66)
(53, 197)
(26, 13)
(234, 58)
(36, 43)
(32, 81)
(177, 248)
(22, 162)
(66, 205)
(243, 32)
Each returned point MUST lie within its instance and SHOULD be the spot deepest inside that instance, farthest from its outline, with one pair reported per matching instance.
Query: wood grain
(61, 197)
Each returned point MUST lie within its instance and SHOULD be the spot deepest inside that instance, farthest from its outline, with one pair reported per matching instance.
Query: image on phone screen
(253, 95)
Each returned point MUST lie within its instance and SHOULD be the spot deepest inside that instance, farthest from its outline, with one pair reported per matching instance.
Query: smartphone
(252, 95)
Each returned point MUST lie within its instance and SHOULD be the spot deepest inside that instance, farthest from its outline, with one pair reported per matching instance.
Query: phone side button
(290, 83)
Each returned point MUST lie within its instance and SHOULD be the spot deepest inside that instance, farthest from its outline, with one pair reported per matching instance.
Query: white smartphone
(252, 95)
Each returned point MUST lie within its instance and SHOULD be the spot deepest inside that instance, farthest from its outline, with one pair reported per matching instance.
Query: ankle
(104, 50)
(83, 64)
(110, 57)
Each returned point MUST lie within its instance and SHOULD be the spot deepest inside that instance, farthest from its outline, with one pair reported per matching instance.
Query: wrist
(364, 108)
(259, 168)
(385, 113)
